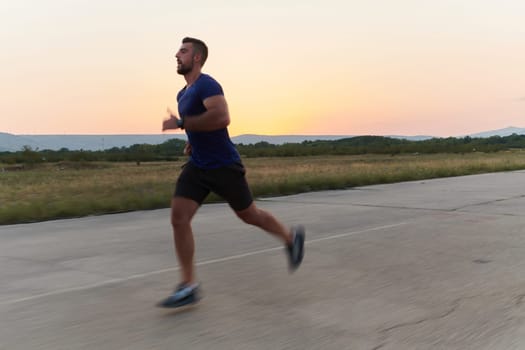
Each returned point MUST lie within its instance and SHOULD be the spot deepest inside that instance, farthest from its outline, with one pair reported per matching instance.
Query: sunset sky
(381, 67)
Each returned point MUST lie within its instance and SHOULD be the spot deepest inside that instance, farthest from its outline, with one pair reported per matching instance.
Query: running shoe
(295, 250)
(184, 294)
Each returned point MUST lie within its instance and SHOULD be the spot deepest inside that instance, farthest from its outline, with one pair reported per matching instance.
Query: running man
(214, 166)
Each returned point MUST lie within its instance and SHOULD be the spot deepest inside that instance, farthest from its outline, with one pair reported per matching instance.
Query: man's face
(185, 58)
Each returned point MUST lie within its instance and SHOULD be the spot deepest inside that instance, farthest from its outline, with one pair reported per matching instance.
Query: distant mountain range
(501, 132)
(12, 143)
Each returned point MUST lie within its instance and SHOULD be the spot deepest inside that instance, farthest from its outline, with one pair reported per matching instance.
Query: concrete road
(437, 264)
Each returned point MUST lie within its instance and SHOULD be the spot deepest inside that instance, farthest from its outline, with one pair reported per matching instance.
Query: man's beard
(183, 70)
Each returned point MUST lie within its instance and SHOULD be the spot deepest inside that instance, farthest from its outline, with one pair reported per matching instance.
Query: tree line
(172, 149)
(384, 145)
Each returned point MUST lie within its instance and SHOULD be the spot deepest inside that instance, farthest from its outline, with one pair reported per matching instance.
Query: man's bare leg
(266, 221)
(182, 212)
(293, 239)
(187, 292)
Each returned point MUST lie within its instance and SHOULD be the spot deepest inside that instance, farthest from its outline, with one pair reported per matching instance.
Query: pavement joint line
(342, 235)
(200, 263)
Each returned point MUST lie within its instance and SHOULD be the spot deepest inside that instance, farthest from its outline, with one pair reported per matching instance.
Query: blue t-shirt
(209, 149)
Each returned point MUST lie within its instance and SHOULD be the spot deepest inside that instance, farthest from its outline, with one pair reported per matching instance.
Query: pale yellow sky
(406, 67)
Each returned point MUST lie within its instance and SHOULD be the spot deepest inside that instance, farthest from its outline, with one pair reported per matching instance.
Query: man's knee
(182, 211)
(179, 219)
(251, 215)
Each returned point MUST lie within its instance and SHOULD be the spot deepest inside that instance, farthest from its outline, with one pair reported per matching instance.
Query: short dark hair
(198, 46)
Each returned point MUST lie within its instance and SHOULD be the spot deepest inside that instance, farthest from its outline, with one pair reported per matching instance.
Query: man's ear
(197, 57)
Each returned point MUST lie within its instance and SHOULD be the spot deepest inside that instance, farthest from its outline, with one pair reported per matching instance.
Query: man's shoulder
(208, 86)
(207, 79)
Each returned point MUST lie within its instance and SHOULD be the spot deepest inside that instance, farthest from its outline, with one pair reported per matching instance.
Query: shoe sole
(192, 300)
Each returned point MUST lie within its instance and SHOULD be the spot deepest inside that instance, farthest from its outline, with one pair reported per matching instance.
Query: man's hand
(171, 122)
(187, 149)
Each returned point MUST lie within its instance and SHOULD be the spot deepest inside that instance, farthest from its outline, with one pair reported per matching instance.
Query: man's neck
(192, 76)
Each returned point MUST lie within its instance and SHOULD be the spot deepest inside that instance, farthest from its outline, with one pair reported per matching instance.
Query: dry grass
(270, 176)
(56, 191)
(78, 189)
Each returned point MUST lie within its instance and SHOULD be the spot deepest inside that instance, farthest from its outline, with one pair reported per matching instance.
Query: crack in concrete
(413, 323)
(491, 202)
(458, 209)
(519, 300)
(383, 333)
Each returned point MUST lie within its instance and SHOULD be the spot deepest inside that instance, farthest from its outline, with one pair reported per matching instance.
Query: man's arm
(216, 116)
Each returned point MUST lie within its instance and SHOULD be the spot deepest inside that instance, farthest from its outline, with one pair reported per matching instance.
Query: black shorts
(229, 182)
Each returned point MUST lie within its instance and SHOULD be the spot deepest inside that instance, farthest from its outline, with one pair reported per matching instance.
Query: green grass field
(65, 190)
